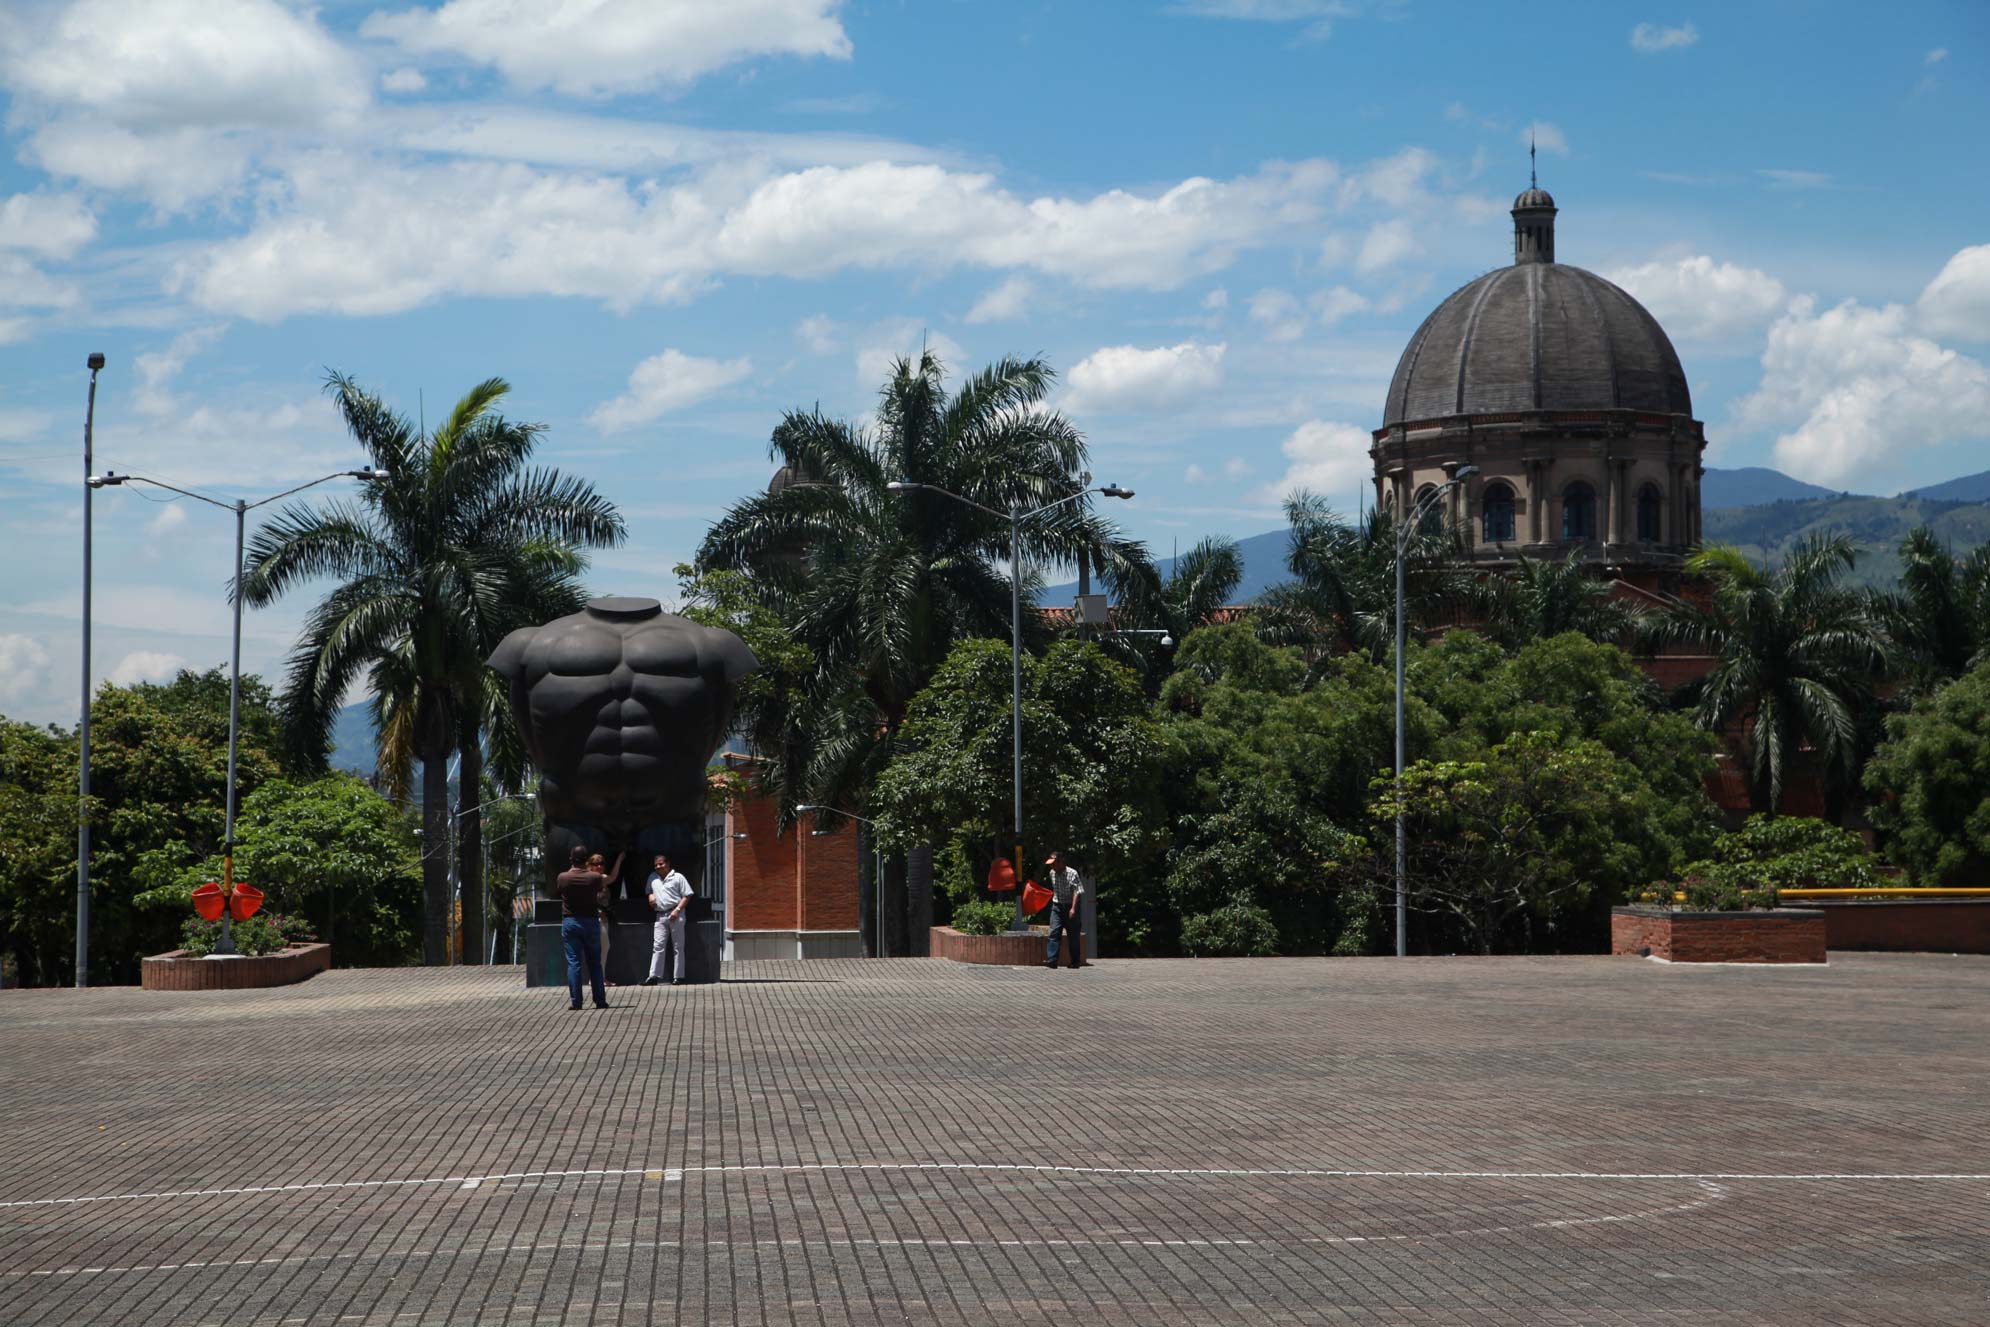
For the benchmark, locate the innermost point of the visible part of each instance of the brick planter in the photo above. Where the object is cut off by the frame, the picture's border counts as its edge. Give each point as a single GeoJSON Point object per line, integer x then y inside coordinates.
{"type": "Point", "coordinates": [1783, 935]}
{"type": "Point", "coordinates": [1925, 926]}
{"type": "Point", "coordinates": [177, 972]}
{"type": "Point", "coordinates": [1005, 950]}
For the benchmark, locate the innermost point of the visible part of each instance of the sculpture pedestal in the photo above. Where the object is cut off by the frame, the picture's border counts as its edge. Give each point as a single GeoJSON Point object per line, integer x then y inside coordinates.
{"type": "Point", "coordinates": [629, 947]}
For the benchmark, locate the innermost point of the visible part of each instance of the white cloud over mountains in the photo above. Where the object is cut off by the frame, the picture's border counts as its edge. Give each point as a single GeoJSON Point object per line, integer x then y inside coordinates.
{"type": "Point", "coordinates": [1325, 457]}
{"type": "Point", "coordinates": [1957, 302]}
{"type": "Point", "coordinates": [598, 47]}
{"type": "Point", "coordinates": [1698, 300]}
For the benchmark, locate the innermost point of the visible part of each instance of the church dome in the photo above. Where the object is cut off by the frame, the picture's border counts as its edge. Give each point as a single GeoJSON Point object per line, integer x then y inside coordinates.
{"type": "Point", "coordinates": [1537, 336]}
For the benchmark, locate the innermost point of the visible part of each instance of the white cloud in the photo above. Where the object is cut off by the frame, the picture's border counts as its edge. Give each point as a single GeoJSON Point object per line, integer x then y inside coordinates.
{"type": "Point", "coordinates": [1387, 243]}
{"type": "Point", "coordinates": [1852, 388]}
{"type": "Point", "coordinates": [158, 368]}
{"type": "Point", "coordinates": [23, 285]}
{"type": "Point", "coordinates": [1957, 302]}
{"type": "Point", "coordinates": [1545, 136]}
{"type": "Point", "coordinates": [1396, 181]}
{"type": "Point", "coordinates": [1266, 11]}
{"type": "Point", "coordinates": [168, 520]}
{"type": "Point", "coordinates": [595, 47]}
{"type": "Point", "coordinates": [1280, 314]}
{"type": "Point", "coordinates": [407, 79]}
{"type": "Point", "coordinates": [1936, 56]}
{"type": "Point", "coordinates": [1236, 467]}
{"type": "Point", "coordinates": [665, 382]}
{"type": "Point", "coordinates": [1194, 474]}
{"type": "Point", "coordinates": [1335, 303]}
{"type": "Point", "coordinates": [1326, 457]}
{"type": "Point", "coordinates": [1796, 179]}
{"type": "Point", "coordinates": [1005, 302]}
{"type": "Point", "coordinates": [904, 338]}
{"type": "Point", "coordinates": [53, 225]}
{"type": "Point", "coordinates": [1699, 300]}
{"type": "Point", "coordinates": [210, 63]}
{"type": "Point", "coordinates": [819, 333]}
{"type": "Point", "coordinates": [357, 236]}
{"type": "Point", "coordinates": [1651, 38]}
{"type": "Point", "coordinates": [146, 666]}
{"type": "Point", "coordinates": [23, 668]}
{"type": "Point", "coordinates": [1216, 300]}
{"type": "Point", "coordinates": [1128, 378]}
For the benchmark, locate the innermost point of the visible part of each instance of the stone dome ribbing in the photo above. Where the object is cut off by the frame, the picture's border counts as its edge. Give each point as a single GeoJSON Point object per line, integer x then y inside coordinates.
{"type": "Point", "coordinates": [1537, 336]}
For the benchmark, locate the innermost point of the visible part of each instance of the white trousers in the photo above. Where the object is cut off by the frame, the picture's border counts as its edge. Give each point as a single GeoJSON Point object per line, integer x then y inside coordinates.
{"type": "Point", "coordinates": [669, 931]}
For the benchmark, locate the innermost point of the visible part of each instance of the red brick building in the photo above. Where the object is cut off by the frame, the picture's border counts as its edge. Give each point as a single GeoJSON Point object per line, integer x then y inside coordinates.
{"type": "Point", "coordinates": [784, 895]}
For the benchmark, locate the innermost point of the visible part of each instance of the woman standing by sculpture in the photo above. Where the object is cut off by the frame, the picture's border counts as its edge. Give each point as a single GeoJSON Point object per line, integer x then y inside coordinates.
{"type": "Point", "coordinates": [599, 865]}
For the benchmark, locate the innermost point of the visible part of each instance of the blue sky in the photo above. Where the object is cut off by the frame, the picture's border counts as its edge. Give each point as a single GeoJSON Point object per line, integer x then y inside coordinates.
{"type": "Point", "coordinates": [1220, 219]}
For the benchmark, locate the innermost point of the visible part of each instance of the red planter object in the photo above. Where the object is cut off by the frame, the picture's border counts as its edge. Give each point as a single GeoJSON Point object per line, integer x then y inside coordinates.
{"type": "Point", "coordinates": [209, 901]}
{"type": "Point", "coordinates": [1001, 876]}
{"type": "Point", "coordinates": [242, 904]}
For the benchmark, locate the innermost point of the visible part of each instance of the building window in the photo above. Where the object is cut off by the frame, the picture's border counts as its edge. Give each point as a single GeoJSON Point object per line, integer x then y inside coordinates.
{"type": "Point", "coordinates": [713, 887]}
{"type": "Point", "coordinates": [1496, 514]}
{"type": "Point", "coordinates": [1432, 520]}
{"type": "Point", "coordinates": [1650, 504]}
{"type": "Point", "coordinates": [1578, 512]}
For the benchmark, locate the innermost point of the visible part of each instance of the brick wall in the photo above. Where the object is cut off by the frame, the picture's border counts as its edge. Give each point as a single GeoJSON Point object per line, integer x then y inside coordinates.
{"type": "Point", "coordinates": [1005, 949]}
{"type": "Point", "coordinates": [1928, 926]}
{"type": "Point", "coordinates": [760, 869]}
{"type": "Point", "coordinates": [829, 875]}
{"type": "Point", "coordinates": [176, 972]}
{"type": "Point", "coordinates": [1787, 935]}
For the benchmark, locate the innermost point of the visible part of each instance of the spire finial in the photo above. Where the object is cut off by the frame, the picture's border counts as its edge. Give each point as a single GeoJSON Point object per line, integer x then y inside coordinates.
{"type": "Point", "coordinates": [1532, 181]}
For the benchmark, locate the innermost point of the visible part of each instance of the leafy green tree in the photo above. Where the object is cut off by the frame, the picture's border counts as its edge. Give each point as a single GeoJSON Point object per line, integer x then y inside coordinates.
{"type": "Point", "coordinates": [38, 852]}
{"type": "Point", "coordinates": [1797, 658]}
{"type": "Point", "coordinates": [1539, 599]}
{"type": "Point", "coordinates": [1090, 766]}
{"type": "Point", "coordinates": [1500, 844]}
{"type": "Point", "coordinates": [459, 544]}
{"type": "Point", "coordinates": [880, 585]}
{"type": "Point", "coordinates": [1343, 591]}
{"type": "Point", "coordinates": [1930, 784]}
{"type": "Point", "coordinates": [1939, 616]}
{"type": "Point", "coordinates": [331, 850]}
{"type": "Point", "coordinates": [1768, 854]}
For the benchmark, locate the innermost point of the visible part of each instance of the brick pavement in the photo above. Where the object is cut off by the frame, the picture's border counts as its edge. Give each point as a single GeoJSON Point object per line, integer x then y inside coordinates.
{"type": "Point", "coordinates": [836, 1142]}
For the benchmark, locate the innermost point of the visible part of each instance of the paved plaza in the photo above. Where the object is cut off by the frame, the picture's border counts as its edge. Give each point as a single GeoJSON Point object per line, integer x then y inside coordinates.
{"type": "Point", "coordinates": [1566, 1140]}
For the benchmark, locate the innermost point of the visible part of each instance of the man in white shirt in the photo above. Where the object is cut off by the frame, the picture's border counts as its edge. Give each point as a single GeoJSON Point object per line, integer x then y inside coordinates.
{"type": "Point", "coordinates": [669, 895]}
{"type": "Point", "coordinates": [1067, 897]}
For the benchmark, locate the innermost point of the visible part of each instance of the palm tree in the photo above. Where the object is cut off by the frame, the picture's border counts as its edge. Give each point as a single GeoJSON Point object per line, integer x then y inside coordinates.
{"type": "Point", "coordinates": [460, 543]}
{"type": "Point", "coordinates": [1797, 655]}
{"type": "Point", "coordinates": [1343, 595]}
{"type": "Point", "coordinates": [1538, 599]}
{"type": "Point", "coordinates": [1940, 615]}
{"type": "Point", "coordinates": [880, 585]}
{"type": "Point", "coordinates": [1202, 581]}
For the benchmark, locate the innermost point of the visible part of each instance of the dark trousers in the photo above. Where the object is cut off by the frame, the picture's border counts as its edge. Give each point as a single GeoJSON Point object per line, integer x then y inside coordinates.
{"type": "Point", "coordinates": [582, 938]}
{"type": "Point", "coordinates": [1064, 925]}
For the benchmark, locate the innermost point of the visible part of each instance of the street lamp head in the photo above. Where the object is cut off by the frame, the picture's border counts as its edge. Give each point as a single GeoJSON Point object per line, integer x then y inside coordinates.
{"type": "Point", "coordinates": [807, 806]}
{"type": "Point", "coordinates": [1466, 472]}
{"type": "Point", "coordinates": [368, 475]}
{"type": "Point", "coordinates": [96, 360]}
{"type": "Point", "coordinates": [109, 479]}
{"type": "Point", "coordinates": [1167, 642]}
{"type": "Point", "coordinates": [901, 486]}
{"type": "Point", "coordinates": [1115, 491]}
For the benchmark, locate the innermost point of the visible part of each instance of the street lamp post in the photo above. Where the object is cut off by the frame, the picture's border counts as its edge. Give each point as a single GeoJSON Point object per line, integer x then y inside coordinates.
{"type": "Point", "coordinates": [456, 866]}
{"type": "Point", "coordinates": [96, 363]}
{"type": "Point", "coordinates": [877, 869]}
{"type": "Point", "coordinates": [241, 510]}
{"type": "Point", "coordinates": [1405, 531]}
{"type": "Point", "coordinates": [1016, 517]}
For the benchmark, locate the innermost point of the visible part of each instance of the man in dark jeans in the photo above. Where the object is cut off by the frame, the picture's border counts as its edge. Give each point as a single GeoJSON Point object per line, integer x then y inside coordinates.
{"type": "Point", "coordinates": [1067, 897]}
{"type": "Point", "coordinates": [581, 894]}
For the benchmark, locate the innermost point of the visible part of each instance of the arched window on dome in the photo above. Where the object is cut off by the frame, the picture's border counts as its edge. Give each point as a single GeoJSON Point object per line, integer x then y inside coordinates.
{"type": "Point", "coordinates": [1496, 514]}
{"type": "Point", "coordinates": [1651, 505]}
{"type": "Point", "coordinates": [1578, 512]}
{"type": "Point", "coordinates": [1432, 520]}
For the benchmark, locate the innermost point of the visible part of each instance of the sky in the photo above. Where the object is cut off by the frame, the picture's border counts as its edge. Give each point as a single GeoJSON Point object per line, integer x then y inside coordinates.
{"type": "Point", "coordinates": [667, 221]}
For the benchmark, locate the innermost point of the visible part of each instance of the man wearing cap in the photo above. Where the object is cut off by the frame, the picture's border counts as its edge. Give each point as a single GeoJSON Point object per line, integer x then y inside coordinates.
{"type": "Point", "coordinates": [1067, 896]}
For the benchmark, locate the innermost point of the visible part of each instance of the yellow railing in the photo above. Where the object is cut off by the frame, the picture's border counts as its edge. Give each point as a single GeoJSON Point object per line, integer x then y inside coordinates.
{"type": "Point", "coordinates": [1900, 893]}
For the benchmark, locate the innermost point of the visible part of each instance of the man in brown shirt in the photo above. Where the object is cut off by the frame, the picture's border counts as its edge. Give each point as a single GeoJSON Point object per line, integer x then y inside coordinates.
{"type": "Point", "coordinates": [581, 892]}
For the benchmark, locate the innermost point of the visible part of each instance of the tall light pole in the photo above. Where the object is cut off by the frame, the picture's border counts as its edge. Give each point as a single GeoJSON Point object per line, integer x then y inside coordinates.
{"type": "Point", "coordinates": [1405, 531]}
{"type": "Point", "coordinates": [241, 510]}
{"type": "Point", "coordinates": [877, 868]}
{"type": "Point", "coordinates": [1016, 516]}
{"type": "Point", "coordinates": [96, 363]}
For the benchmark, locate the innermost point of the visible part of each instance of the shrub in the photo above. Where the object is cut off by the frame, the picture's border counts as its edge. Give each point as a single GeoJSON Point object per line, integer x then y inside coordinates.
{"type": "Point", "coordinates": [1751, 866]}
{"type": "Point", "coordinates": [263, 934]}
{"type": "Point", "coordinates": [983, 916]}
{"type": "Point", "coordinates": [1726, 889]}
{"type": "Point", "coordinates": [1235, 930]}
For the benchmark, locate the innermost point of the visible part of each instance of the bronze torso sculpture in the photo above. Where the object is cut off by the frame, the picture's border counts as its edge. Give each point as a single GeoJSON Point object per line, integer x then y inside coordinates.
{"type": "Point", "coordinates": [621, 706]}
